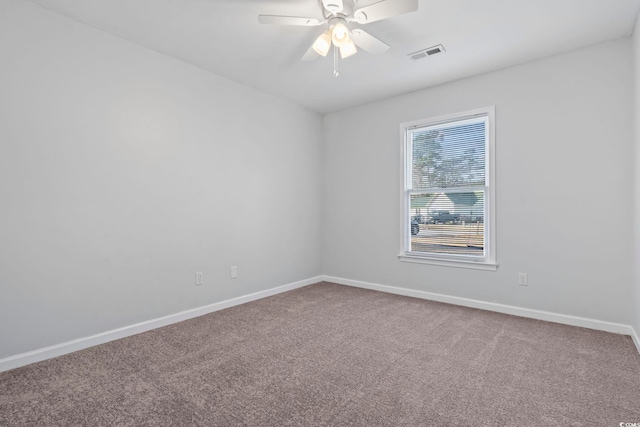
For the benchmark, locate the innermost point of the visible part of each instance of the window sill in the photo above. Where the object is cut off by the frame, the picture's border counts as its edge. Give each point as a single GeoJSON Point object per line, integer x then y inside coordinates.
{"type": "Point", "coordinates": [475, 265]}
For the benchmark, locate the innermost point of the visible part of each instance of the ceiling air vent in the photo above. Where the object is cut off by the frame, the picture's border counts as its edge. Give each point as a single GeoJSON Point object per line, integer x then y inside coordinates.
{"type": "Point", "coordinates": [433, 50]}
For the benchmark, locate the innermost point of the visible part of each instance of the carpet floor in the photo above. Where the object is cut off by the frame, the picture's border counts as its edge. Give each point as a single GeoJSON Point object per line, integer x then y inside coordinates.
{"type": "Point", "coordinates": [331, 355]}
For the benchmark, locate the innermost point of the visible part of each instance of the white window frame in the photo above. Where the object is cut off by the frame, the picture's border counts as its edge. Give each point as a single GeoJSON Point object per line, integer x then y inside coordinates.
{"type": "Point", "coordinates": [488, 262]}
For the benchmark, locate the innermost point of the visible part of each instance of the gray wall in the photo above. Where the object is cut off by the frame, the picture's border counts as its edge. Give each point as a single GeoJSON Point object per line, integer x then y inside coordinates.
{"type": "Point", "coordinates": [123, 172]}
{"type": "Point", "coordinates": [564, 138]}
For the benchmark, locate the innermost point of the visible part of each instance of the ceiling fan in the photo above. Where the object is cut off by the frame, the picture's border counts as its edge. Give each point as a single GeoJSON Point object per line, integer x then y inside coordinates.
{"type": "Point", "coordinates": [339, 14]}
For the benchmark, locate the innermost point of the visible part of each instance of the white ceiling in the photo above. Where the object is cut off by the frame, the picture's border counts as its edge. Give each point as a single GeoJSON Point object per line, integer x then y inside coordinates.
{"type": "Point", "coordinates": [224, 37]}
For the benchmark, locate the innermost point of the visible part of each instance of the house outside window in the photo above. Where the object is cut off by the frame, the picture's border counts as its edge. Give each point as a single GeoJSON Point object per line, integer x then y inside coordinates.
{"type": "Point", "coordinates": [448, 190]}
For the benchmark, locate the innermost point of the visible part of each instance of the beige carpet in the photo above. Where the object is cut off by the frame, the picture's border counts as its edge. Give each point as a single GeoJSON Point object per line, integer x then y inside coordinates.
{"type": "Point", "coordinates": [330, 355]}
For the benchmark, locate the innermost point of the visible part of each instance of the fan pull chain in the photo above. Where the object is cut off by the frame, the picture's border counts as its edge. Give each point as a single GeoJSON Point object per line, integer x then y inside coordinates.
{"type": "Point", "coordinates": [336, 73]}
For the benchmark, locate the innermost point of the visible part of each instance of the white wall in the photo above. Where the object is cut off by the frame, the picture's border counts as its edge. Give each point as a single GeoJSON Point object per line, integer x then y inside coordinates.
{"type": "Point", "coordinates": [123, 172]}
{"type": "Point", "coordinates": [636, 74]}
{"type": "Point", "coordinates": [564, 186]}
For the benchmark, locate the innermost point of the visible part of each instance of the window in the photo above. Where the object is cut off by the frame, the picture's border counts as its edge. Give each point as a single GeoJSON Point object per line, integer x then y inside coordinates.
{"type": "Point", "coordinates": [448, 199]}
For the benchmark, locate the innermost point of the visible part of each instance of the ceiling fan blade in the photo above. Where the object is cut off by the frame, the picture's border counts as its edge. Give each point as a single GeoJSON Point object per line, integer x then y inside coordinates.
{"type": "Point", "coordinates": [367, 42]}
{"type": "Point", "coordinates": [310, 55]}
{"type": "Point", "coordinates": [384, 9]}
{"type": "Point", "coordinates": [289, 20]}
{"type": "Point", "coordinates": [333, 6]}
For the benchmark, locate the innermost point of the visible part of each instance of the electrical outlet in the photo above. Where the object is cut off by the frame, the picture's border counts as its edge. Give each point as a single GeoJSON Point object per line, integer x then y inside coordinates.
{"type": "Point", "coordinates": [523, 279]}
{"type": "Point", "coordinates": [233, 271]}
{"type": "Point", "coordinates": [199, 278]}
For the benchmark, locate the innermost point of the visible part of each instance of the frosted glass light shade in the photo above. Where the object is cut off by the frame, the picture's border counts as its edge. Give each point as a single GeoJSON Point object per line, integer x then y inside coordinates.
{"type": "Point", "coordinates": [340, 35]}
{"type": "Point", "coordinates": [323, 43]}
{"type": "Point", "coordinates": [348, 49]}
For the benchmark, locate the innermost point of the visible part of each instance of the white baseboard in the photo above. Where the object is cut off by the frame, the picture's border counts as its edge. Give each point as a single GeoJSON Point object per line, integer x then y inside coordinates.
{"type": "Point", "coordinates": [636, 338]}
{"type": "Point", "coordinates": [490, 306]}
{"type": "Point", "coordinates": [38, 355]}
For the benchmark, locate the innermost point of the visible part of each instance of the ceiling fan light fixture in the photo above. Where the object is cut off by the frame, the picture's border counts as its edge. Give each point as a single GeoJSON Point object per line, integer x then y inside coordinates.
{"type": "Point", "coordinates": [340, 34]}
{"type": "Point", "coordinates": [323, 43]}
{"type": "Point", "coordinates": [348, 49]}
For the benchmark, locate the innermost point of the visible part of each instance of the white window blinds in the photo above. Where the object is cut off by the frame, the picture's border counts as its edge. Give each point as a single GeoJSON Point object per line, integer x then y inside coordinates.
{"type": "Point", "coordinates": [446, 188]}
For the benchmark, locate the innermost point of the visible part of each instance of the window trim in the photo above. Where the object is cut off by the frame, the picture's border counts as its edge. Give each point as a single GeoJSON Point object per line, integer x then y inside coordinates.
{"type": "Point", "coordinates": [488, 262]}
